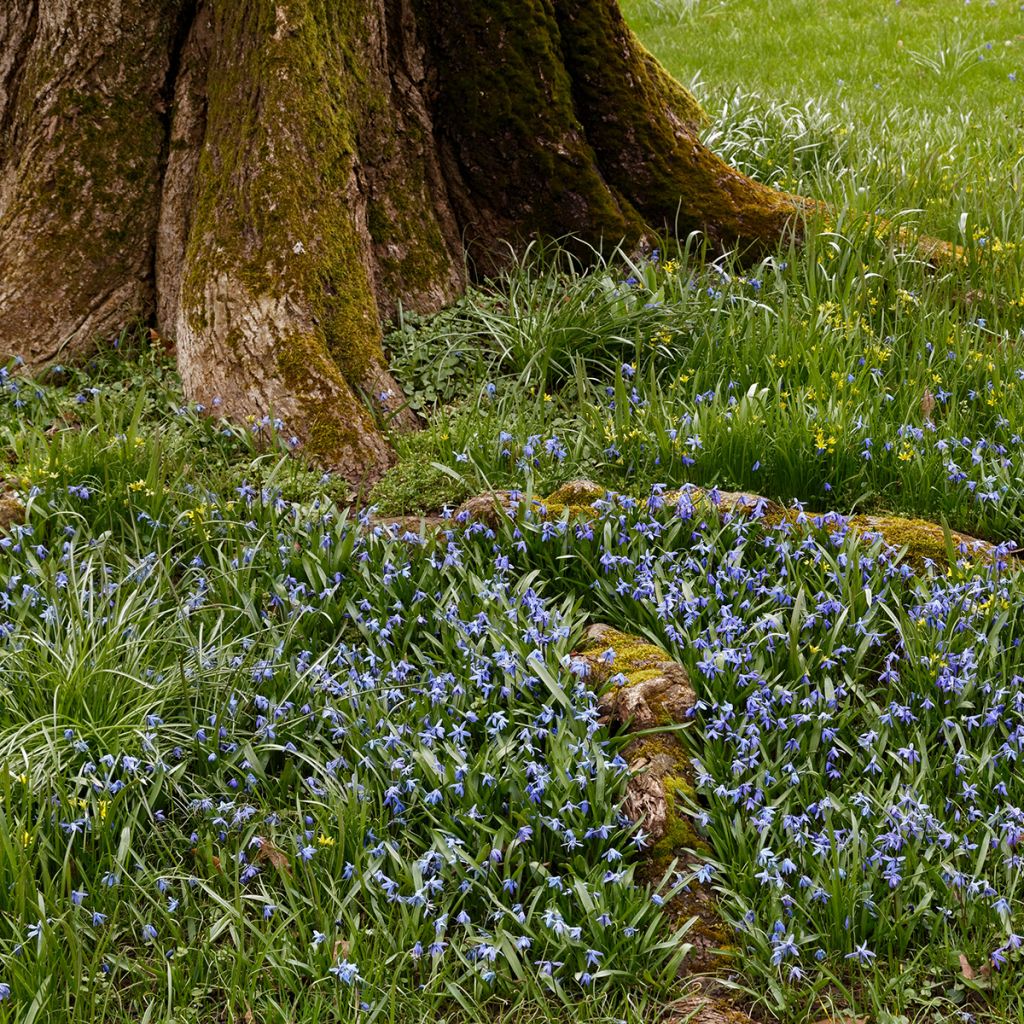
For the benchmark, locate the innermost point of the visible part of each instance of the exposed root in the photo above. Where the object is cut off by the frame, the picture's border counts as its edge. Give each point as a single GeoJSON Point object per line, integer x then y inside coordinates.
{"type": "Point", "coordinates": [706, 1009]}
{"type": "Point", "coordinates": [642, 689]}
{"type": "Point", "coordinates": [649, 688]}
{"type": "Point", "coordinates": [923, 542]}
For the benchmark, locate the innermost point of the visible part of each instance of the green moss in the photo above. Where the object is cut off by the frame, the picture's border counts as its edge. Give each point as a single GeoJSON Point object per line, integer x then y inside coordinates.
{"type": "Point", "coordinates": [412, 256]}
{"type": "Point", "coordinates": [92, 210]}
{"type": "Point", "coordinates": [272, 205]}
{"type": "Point", "coordinates": [304, 367]}
{"type": "Point", "coordinates": [657, 744]}
{"type": "Point", "coordinates": [923, 541]}
{"type": "Point", "coordinates": [636, 658]}
{"type": "Point", "coordinates": [414, 486]}
{"type": "Point", "coordinates": [544, 508]}
{"type": "Point", "coordinates": [639, 662]}
{"type": "Point", "coordinates": [576, 493]}
{"type": "Point", "coordinates": [679, 831]}
{"type": "Point", "coordinates": [632, 114]}
{"type": "Point", "coordinates": [506, 101]}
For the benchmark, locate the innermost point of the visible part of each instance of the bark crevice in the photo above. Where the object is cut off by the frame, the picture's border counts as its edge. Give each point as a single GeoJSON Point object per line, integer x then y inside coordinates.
{"type": "Point", "coordinates": [17, 34]}
{"type": "Point", "coordinates": [180, 35]}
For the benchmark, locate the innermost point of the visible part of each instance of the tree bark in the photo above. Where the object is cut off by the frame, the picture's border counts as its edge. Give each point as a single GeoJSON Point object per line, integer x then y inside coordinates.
{"type": "Point", "coordinates": [82, 126]}
{"type": "Point", "coordinates": [267, 180]}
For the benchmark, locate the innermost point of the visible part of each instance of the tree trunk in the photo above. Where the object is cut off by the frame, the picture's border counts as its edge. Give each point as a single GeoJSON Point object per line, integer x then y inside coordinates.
{"type": "Point", "coordinates": [267, 181]}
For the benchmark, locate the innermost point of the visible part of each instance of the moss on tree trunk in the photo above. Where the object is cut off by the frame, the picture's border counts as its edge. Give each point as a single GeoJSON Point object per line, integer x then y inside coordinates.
{"type": "Point", "coordinates": [82, 130]}
{"type": "Point", "coordinates": [269, 179]}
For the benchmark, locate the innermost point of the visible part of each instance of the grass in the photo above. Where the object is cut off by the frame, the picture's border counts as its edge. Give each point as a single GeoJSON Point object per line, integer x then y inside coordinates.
{"type": "Point", "coordinates": [896, 105]}
{"type": "Point", "coordinates": [845, 376]}
{"type": "Point", "coordinates": [264, 759]}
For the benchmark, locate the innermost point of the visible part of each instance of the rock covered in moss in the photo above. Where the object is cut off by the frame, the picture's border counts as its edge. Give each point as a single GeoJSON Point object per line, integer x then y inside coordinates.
{"type": "Point", "coordinates": [415, 485]}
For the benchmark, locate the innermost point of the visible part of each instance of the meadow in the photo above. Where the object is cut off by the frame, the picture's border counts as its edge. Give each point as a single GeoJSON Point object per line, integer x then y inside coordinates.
{"type": "Point", "coordinates": [267, 758]}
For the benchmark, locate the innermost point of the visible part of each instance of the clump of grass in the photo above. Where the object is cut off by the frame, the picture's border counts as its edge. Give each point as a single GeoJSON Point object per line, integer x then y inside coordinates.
{"type": "Point", "coordinates": [417, 484]}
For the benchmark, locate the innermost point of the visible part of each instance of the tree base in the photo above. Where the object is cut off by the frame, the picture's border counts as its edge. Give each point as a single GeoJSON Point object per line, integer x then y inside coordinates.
{"type": "Point", "coordinates": [269, 181]}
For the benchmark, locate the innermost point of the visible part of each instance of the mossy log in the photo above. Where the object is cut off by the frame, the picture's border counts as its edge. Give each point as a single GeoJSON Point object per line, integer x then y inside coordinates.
{"type": "Point", "coordinates": [265, 181]}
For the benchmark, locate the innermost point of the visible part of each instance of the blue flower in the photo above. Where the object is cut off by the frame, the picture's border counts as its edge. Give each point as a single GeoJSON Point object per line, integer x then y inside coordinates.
{"type": "Point", "coordinates": [347, 973]}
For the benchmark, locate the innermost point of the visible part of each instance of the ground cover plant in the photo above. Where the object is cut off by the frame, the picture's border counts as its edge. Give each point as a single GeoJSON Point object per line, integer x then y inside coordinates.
{"type": "Point", "coordinates": [268, 758]}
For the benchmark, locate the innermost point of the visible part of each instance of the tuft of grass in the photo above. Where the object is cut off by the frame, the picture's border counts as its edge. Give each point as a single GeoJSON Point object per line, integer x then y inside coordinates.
{"type": "Point", "coordinates": [418, 485]}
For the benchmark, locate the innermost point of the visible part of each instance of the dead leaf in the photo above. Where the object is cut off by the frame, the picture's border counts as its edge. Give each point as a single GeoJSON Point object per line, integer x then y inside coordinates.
{"type": "Point", "coordinates": [274, 856]}
{"type": "Point", "coordinates": [927, 405]}
{"type": "Point", "coordinates": [966, 969]}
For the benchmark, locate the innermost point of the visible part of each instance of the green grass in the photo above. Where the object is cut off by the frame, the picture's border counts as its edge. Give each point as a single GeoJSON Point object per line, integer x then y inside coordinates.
{"type": "Point", "coordinates": [910, 105]}
{"type": "Point", "coordinates": [846, 376]}
{"type": "Point", "coordinates": [247, 735]}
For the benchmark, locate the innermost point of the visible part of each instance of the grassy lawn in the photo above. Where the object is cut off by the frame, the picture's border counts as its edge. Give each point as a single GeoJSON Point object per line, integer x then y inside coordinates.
{"type": "Point", "coordinates": [265, 759]}
{"type": "Point", "coordinates": [910, 105]}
